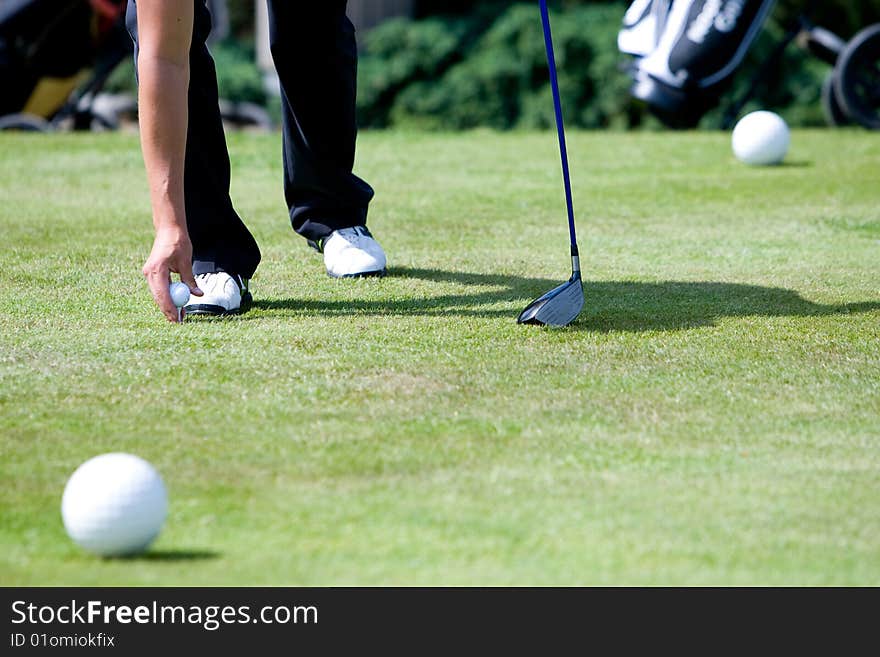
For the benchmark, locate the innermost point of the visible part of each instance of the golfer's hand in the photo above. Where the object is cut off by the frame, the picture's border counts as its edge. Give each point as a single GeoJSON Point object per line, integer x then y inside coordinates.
{"type": "Point", "coordinates": [172, 253]}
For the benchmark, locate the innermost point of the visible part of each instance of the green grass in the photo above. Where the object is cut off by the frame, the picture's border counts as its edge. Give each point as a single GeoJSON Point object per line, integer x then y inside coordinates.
{"type": "Point", "coordinates": [712, 418]}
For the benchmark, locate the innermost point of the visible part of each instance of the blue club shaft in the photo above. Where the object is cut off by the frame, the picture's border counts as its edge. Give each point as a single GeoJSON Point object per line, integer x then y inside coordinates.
{"type": "Point", "coordinates": [560, 124]}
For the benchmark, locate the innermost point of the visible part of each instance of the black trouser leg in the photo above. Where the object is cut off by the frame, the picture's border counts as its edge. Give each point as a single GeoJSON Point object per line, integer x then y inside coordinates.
{"type": "Point", "coordinates": [219, 237]}
{"type": "Point", "coordinates": [315, 52]}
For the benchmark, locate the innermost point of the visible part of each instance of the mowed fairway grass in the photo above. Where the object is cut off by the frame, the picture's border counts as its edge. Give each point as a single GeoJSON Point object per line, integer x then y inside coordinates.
{"type": "Point", "coordinates": [713, 417]}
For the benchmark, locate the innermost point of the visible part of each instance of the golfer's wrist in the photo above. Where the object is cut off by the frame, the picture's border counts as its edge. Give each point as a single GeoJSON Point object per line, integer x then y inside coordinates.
{"type": "Point", "coordinates": [171, 239]}
{"type": "Point", "coordinates": [170, 222]}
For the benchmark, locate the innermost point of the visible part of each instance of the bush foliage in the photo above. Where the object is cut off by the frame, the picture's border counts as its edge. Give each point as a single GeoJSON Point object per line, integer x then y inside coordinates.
{"type": "Point", "coordinates": [467, 71]}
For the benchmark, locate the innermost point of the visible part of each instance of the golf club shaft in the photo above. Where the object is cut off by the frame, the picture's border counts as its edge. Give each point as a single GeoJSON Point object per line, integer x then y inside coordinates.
{"type": "Point", "coordinates": [560, 128]}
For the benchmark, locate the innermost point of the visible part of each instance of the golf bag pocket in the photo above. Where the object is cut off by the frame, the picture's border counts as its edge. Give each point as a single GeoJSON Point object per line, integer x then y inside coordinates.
{"type": "Point", "coordinates": [642, 26]}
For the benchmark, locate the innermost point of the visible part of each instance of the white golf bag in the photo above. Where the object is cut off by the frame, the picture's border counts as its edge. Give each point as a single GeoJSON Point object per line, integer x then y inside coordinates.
{"type": "Point", "coordinates": [686, 50]}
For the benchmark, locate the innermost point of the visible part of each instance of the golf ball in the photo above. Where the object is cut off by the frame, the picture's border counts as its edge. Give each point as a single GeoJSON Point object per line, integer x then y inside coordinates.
{"type": "Point", "coordinates": [179, 294]}
{"type": "Point", "coordinates": [114, 505]}
{"type": "Point", "coordinates": [761, 138]}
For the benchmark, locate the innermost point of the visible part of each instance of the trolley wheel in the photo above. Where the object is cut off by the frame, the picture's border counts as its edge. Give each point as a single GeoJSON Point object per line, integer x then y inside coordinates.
{"type": "Point", "coordinates": [834, 113]}
{"type": "Point", "coordinates": [24, 123]}
{"type": "Point", "coordinates": [857, 78]}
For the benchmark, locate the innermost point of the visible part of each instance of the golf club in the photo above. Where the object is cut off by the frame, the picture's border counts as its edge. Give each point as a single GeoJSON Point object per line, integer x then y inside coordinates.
{"type": "Point", "coordinates": [561, 305]}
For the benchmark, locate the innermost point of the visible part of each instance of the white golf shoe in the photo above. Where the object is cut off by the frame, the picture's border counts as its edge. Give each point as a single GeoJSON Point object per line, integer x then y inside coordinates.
{"type": "Point", "coordinates": [352, 252]}
{"type": "Point", "coordinates": [224, 295]}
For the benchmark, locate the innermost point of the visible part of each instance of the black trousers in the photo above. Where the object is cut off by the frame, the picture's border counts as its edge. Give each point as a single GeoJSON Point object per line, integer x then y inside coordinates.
{"type": "Point", "coordinates": [314, 49]}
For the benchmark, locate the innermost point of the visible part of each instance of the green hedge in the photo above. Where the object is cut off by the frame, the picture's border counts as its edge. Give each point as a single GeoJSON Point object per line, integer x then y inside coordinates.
{"type": "Point", "coordinates": [462, 72]}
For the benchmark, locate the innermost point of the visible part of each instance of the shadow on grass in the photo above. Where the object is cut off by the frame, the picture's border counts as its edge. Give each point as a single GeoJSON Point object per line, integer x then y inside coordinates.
{"type": "Point", "coordinates": [173, 556]}
{"type": "Point", "coordinates": [611, 305]}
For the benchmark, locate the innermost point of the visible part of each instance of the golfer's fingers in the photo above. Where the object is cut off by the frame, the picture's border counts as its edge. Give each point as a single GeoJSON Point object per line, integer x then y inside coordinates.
{"type": "Point", "coordinates": [186, 276]}
{"type": "Point", "coordinates": [159, 280]}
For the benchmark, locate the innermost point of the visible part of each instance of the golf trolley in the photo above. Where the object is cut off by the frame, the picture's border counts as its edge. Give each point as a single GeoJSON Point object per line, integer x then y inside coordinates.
{"type": "Point", "coordinates": [687, 51]}
{"type": "Point", "coordinates": [55, 57]}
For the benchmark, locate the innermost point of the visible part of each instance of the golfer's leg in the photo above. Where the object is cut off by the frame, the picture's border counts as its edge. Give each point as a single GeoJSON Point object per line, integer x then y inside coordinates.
{"type": "Point", "coordinates": [219, 237]}
{"type": "Point", "coordinates": [315, 52]}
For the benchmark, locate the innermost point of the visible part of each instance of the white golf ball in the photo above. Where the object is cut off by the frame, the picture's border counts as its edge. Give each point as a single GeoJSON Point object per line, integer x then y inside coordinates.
{"type": "Point", "coordinates": [114, 505]}
{"type": "Point", "coordinates": [761, 138]}
{"type": "Point", "coordinates": [179, 294]}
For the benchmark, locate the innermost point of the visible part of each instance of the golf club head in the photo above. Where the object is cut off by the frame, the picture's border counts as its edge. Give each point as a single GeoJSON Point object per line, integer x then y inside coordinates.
{"type": "Point", "coordinates": [559, 307]}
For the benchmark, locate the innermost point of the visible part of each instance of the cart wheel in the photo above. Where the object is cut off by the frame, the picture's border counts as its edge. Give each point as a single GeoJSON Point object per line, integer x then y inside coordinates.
{"type": "Point", "coordinates": [834, 114]}
{"type": "Point", "coordinates": [857, 78]}
{"type": "Point", "coordinates": [25, 123]}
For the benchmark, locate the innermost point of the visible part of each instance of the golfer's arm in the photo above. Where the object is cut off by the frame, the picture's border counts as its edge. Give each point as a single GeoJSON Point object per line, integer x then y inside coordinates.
{"type": "Point", "coordinates": [164, 36]}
